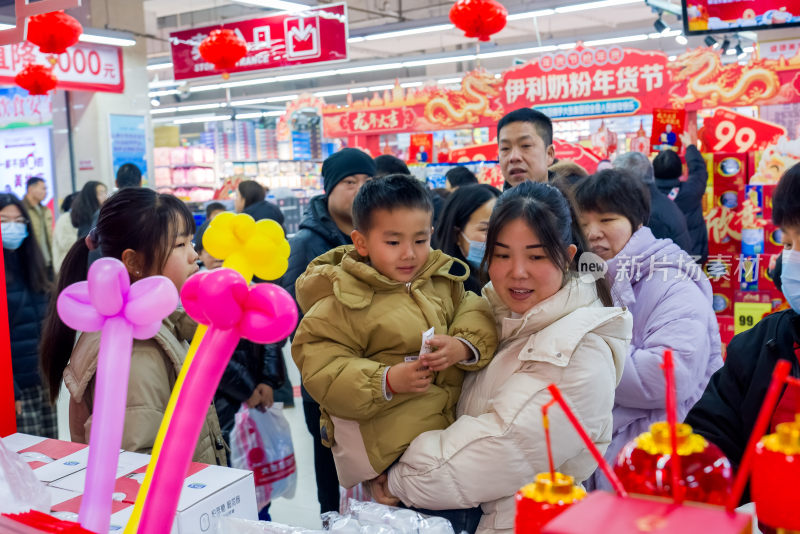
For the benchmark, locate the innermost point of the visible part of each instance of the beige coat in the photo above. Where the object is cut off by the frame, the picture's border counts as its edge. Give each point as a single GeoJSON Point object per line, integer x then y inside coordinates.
{"type": "Point", "coordinates": [64, 236]}
{"type": "Point", "coordinates": [497, 443]}
{"type": "Point", "coordinates": [42, 223]}
{"type": "Point", "coordinates": [155, 366]}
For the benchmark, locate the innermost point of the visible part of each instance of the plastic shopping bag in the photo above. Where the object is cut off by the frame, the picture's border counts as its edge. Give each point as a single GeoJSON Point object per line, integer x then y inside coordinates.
{"type": "Point", "coordinates": [261, 442]}
{"type": "Point", "coordinates": [20, 490]}
{"type": "Point", "coordinates": [359, 492]}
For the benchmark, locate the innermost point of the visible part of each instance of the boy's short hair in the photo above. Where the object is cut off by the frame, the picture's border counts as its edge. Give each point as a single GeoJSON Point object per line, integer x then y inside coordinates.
{"type": "Point", "coordinates": [614, 191]}
{"type": "Point", "coordinates": [33, 181]}
{"type": "Point", "coordinates": [541, 123]}
{"type": "Point", "coordinates": [387, 164]}
{"type": "Point", "coordinates": [129, 175]}
{"type": "Point", "coordinates": [786, 199]}
{"type": "Point", "coordinates": [214, 206]}
{"type": "Point", "coordinates": [391, 192]}
{"type": "Point", "coordinates": [667, 165]}
{"type": "Point", "coordinates": [458, 176]}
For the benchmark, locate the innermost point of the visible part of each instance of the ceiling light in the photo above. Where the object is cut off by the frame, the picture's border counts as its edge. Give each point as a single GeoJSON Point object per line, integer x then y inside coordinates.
{"type": "Point", "coordinates": [167, 92]}
{"type": "Point", "coordinates": [532, 14]}
{"type": "Point", "coordinates": [155, 102]}
{"type": "Point", "coordinates": [615, 40]}
{"type": "Point", "coordinates": [672, 58]}
{"type": "Point", "coordinates": [161, 111]}
{"type": "Point", "coordinates": [411, 84]}
{"type": "Point", "coordinates": [107, 38]}
{"type": "Point", "coordinates": [660, 25]}
{"type": "Point", "coordinates": [594, 5]}
{"type": "Point", "coordinates": [369, 68]}
{"type": "Point", "coordinates": [202, 118]}
{"type": "Point", "coordinates": [411, 31]}
{"type": "Point", "coordinates": [333, 92]}
{"type": "Point", "coordinates": [281, 5]}
{"type": "Point", "coordinates": [438, 61]}
{"type": "Point", "coordinates": [157, 84]}
{"type": "Point", "coordinates": [449, 81]}
{"type": "Point", "coordinates": [710, 41]}
{"type": "Point", "coordinates": [682, 40]}
{"type": "Point", "coordinates": [504, 53]}
{"type": "Point", "coordinates": [251, 102]}
{"type": "Point", "coordinates": [198, 107]}
{"type": "Point", "coordinates": [160, 66]}
{"type": "Point", "coordinates": [726, 43]}
{"type": "Point", "coordinates": [381, 87]}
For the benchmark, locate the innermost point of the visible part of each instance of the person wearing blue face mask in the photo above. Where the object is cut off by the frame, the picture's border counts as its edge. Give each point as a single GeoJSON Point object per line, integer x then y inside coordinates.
{"type": "Point", "coordinates": [27, 293]}
{"type": "Point", "coordinates": [461, 229]}
{"type": "Point", "coordinates": [727, 411]}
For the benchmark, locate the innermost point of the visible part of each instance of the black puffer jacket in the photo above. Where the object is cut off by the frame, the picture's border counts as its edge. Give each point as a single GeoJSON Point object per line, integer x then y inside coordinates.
{"type": "Point", "coordinates": [317, 235]}
{"type": "Point", "coordinates": [690, 200]}
{"type": "Point", "coordinates": [265, 210]}
{"type": "Point", "coordinates": [26, 311]}
{"type": "Point", "coordinates": [251, 364]}
{"type": "Point", "coordinates": [728, 409]}
{"type": "Point", "coordinates": [667, 220]}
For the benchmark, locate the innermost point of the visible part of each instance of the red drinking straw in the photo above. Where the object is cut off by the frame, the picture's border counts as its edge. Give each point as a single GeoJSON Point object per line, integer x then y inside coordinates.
{"type": "Point", "coordinates": [779, 375]}
{"type": "Point", "coordinates": [672, 420]}
{"type": "Point", "coordinates": [612, 477]}
{"type": "Point", "coordinates": [546, 424]}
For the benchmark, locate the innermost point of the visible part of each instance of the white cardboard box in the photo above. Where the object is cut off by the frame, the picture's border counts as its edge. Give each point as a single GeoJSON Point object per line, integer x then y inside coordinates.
{"type": "Point", "coordinates": [50, 459]}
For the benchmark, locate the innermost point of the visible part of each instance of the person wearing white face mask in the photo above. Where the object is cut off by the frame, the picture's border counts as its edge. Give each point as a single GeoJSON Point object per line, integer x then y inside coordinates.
{"type": "Point", "coordinates": [727, 411]}
{"type": "Point", "coordinates": [461, 230]}
{"type": "Point", "coordinates": [27, 290]}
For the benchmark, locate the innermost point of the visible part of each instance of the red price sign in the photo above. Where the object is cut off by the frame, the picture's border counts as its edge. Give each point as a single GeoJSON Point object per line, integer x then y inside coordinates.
{"type": "Point", "coordinates": [728, 131]}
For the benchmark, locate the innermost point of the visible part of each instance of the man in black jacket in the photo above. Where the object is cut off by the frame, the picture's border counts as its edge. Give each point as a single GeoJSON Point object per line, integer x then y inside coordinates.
{"type": "Point", "coordinates": [728, 409]}
{"type": "Point", "coordinates": [688, 195]}
{"type": "Point", "coordinates": [327, 225]}
{"type": "Point", "coordinates": [666, 219]}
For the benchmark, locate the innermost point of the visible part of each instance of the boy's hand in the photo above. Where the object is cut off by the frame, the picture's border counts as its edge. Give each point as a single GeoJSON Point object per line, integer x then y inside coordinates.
{"type": "Point", "coordinates": [409, 377]}
{"type": "Point", "coordinates": [267, 397]}
{"type": "Point", "coordinates": [448, 351]}
{"type": "Point", "coordinates": [255, 398]}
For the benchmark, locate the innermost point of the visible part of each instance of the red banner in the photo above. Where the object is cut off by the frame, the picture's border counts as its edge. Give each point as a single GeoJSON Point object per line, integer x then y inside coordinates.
{"type": "Point", "coordinates": [705, 15]}
{"type": "Point", "coordinates": [580, 83]}
{"type": "Point", "coordinates": [421, 148]}
{"type": "Point", "coordinates": [315, 35]}
{"type": "Point", "coordinates": [728, 131]}
{"type": "Point", "coordinates": [83, 67]}
{"type": "Point", "coordinates": [668, 126]}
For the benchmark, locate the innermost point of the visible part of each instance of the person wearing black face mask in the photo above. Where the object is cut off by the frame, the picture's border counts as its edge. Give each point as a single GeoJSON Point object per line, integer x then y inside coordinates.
{"type": "Point", "coordinates": [27, 290]}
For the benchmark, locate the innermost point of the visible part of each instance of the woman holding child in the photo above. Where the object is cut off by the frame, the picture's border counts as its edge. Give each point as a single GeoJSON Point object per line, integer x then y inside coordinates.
{"type": "Point", "coordinates": [554, 327]}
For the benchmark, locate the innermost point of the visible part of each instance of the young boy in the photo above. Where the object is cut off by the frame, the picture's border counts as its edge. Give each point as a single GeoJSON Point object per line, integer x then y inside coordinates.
{"type": "Point", "coordinates": [728, 409]}
{"type": "Point", "coordinates": [359, 344]}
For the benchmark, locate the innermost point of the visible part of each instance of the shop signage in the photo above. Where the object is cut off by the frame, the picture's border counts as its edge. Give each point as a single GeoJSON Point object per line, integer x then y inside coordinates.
{"type": "Point", "coordinates": [315, 35]}
{"type": "Point", "coordinates": [83, 67]}
{"type": "Point", "coordinates": [128, 137]}
{"type": "Point", "coordinates": [728, 131]}
{"type": "Point", "coordinates": [706, 16]}
{"type": "Point", "coordinates": [577, 84]}
{"type": "Point", "coordinates": [18, 109]}
{"type": "Point", "coordinates": [668, 125]}
{"type": "Point", "coordinates": [24, 153]}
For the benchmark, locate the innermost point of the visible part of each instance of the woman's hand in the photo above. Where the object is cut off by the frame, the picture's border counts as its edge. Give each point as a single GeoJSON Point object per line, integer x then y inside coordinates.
{"type": "Point", "coordinates": [448, 351]}
{"type": "Point", "coordinates": [267, 397]}
{"type": "Point", "coordinates": [409, 377]}
{"type": "Point", "coordinates": [379, 487]}
{"type": "Point", "coordinates": [255, 398]}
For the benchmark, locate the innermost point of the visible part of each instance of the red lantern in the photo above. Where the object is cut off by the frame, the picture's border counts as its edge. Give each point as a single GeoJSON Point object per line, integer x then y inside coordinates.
{"type": "Point", "coordinates": [776, 466]}
{"type": "Point", "coordinates": [37, 79]}
{"type": "Point", "coordinates": [223, 49]}
{"type": "Point", "coordinates": [54, 32]}
{"type": "Point", "coordinates": [543, 500]}
{"type": "Point", "coordinates": [478, 18]}
{"type": "Point", "coordinates": [644, 465]}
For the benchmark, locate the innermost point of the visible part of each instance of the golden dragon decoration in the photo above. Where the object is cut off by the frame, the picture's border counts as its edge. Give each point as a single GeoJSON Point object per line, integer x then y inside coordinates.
{"type": "Point", "coordinates": [715, 84]}
{"type": "Point", "coordinates": [468, 105]}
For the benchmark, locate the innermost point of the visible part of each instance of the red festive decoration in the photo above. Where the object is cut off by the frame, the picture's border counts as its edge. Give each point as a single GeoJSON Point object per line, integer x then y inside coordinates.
{"type": "Point", "coordinates": [776, 468]}
{"type": "Point", "coordinates": [37, 79]}
{"type": "Point", "coordinates": [54, 32]}
{"type": "Point", "coordinates": [478, 18]}
{"type": "Point", "coordinates": [645, 466]}
{"type": "Point", "coordinates": [223, 48]}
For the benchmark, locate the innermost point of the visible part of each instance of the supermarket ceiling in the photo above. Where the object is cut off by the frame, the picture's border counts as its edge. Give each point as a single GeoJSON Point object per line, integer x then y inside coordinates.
{"type": "Point", "coordinates": [398, 47]}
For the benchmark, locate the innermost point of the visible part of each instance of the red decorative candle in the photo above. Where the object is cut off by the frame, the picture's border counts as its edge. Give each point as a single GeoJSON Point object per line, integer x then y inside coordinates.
{"type": "Point", "coordinates": [645, 466]}
{"type": "Point", "coordinates": [776, 470]}
{"type": "Point", "coordinates": [543, 500]}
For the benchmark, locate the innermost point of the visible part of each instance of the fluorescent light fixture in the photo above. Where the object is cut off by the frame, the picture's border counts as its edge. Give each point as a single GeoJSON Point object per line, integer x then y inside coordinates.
{"type": "Point", "coordinates": [616, 40]}
{"type": "Point", "coordinates": [672, 58]}
{"type": "Point", "coordinates": [532, 14]}
{"type": "Point", "coordinates": [155, 102]}
{"type": "Point", "coordinates": [160, 66]}
{"type": "Point", "coordinates": [449, 81]}
{"type": "Point", "coordinates": [198, 107]}
{"type": "Point", "coordinates": [283, 98]}
{"type": "Point", "coordinates": [594, 5]}
{"type": "Point", "coordinates": [369, 68]}
{"type": "Point", "coordinates": [567, 46]}
{"type": "Point", "coordinates": [438, 61]}
{"type": "Point", "coordinates": [202, 118]}
{"type": "Point", "coordinates": [359, 90]}
{"type": "Point", "coordinates": [251, 102]}
{"type": "Point", "coordinates": [158, 84]}
{"type": "Point", "coordinates": [381, 87]}
{"type": "Point", "coordinates": [665, 33]}
{"type": "Point", "coordinates": [333, 92]}
{"type": "Point", "coordinates": [505, 53]}
{"type": "Point", "coordinates": [411, 31]}
{"type": "Point", "coordinates": [166, 92]}
{"type": "Point", "coordinates": [682, 40]}
{"type": "Point", "coordinates": [113, 39]}
{"type": "Point", "coordinates": [4, 26]}
{"type": "Point", "coordinates": [281, 5]}
{"type": "Point", "coordinates": [160, 111]}
{"type": "Point", "coordinates": [411, 84]}
{"type": "Point", "coordinates": [255, 115]}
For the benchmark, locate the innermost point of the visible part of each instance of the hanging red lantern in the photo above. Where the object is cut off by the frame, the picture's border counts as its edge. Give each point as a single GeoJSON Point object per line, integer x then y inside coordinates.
{"type": "Point", "coordinates": [54, 32]}
{"type": "Point", "coordinates": [37, 79]}
{"type": "Point", "coordinates": [223, 49]}
{"type": "Point", "coordinates": [479, 18]}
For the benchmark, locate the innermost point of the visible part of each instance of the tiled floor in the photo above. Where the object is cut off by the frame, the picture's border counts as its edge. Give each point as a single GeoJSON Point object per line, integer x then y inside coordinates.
{"type": "Point", "coordinates": [301, 510]}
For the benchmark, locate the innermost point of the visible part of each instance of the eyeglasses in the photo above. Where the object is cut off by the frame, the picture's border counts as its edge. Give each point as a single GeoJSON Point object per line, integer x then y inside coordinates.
{"type": "Point", "coordinates": [22, 220]}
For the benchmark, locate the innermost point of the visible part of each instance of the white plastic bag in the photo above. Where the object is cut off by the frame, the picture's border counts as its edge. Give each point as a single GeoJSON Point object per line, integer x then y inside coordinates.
{"type": "Point", "coordinates": [20, 490]}
{"type": "Point", "coordinates": [262, 443]}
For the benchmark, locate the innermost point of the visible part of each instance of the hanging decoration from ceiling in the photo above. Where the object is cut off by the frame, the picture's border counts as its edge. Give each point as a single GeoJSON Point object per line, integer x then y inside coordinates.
{"type": "Point", "coordinates": [36, 79]}
{"type": "Point", "coordinates": [479, 18]}
{"type": "Point", "coordinates": [54, 32]}
{"type": "Point", "coordinates": [24, 10]}
{"type": "Point", "coordinates": [223, 48]}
